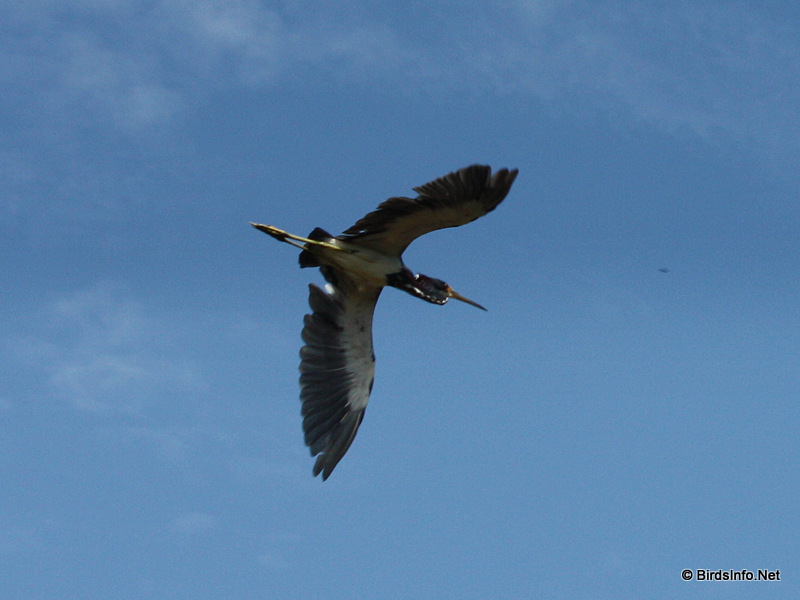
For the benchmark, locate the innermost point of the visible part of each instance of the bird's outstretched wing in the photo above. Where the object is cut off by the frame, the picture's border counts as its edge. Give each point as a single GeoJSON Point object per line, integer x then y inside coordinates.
{"type": "Point", "coordinates": [337, 367]}
{"type": "Point", "coordinates": [450, 201]}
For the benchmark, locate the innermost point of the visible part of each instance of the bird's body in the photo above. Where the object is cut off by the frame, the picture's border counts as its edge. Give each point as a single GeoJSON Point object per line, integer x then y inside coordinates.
{"type": "Point", "coordinates": [337, 364]}
{"type": "Point", "coordinates": [366, 267]}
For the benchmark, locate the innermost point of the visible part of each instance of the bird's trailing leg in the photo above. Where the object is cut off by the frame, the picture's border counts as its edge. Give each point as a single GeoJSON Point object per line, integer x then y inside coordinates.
{"type": "Point", "coordinates": [289, 238]}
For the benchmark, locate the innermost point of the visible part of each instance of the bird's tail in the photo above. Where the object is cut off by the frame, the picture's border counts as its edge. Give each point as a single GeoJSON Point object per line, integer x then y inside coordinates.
{"type": "Point", "coordinates": [318, 237]}
{"type": "Point", "coordinates": [307, 258]}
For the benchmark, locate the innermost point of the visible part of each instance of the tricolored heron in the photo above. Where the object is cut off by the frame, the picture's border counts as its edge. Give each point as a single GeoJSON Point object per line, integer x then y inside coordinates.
{"type": "Point", "coordinates": [337, 364]}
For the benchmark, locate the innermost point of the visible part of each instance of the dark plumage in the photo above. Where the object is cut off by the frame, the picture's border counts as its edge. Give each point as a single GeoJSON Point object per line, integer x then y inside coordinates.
{"type": "Point", "coordinates": [455, 199]}
{"type": "Point", "coordinates": [337, 363]}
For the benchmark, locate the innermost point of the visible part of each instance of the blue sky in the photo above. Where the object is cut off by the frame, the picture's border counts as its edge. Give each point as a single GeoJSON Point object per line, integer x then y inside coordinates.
{"type": "Point", "coordinates": [603, 427]}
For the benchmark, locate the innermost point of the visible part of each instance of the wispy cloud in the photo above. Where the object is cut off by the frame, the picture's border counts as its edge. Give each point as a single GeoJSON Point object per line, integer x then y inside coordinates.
{"type": "Point", "coordinates": [124, 84]}
{"type": "Point", "coordinates": [227, 40]}
{"type": "Point", "coordinates": [136, 373]}
{"type": "Point", "coordinates": [139, 66]}
{"type": "Point", "coordinates": [91, 60]}
{"type": "Point", "coordinates": [99, 351]}
{"type": "Point", "coordinates": [714, 70]}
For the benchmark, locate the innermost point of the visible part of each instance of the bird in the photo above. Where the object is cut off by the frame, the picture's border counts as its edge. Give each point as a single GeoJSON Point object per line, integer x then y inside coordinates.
{"type": "Point", "coordinates": [337, 362]}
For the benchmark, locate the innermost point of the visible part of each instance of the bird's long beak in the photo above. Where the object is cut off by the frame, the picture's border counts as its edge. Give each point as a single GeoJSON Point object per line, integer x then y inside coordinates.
{"type": "Point", "coordinates": [456, 296]}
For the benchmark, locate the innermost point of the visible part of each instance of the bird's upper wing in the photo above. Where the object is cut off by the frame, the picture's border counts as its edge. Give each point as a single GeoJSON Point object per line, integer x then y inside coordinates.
{"type": "Point", "coordinates": [450, 201]}
{"type": "Point", "coordinates": [337, 367]}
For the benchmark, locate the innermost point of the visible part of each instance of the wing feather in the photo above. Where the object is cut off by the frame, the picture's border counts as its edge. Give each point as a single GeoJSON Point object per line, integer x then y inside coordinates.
{"type": "Point", "coordinates": [337, 368]}
{"type": "Point", "coordinates": [455, 199]}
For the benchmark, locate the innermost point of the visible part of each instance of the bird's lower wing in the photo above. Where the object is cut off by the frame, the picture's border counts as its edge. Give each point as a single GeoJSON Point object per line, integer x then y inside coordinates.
{"type": "Point", "coordinates": [455, 199]}
{"type": "Point", "coordinates": [337, 368]}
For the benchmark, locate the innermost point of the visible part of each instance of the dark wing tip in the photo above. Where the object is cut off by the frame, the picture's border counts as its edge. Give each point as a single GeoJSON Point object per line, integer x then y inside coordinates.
{"type": "Point", "coordinates": [472, 181]}
{"type": "Point", "coordinates": [450, 201]}
{"type": "Point", "coordinates": [498, 186]}
{"type": "Point", "coordinates": [339, 444]}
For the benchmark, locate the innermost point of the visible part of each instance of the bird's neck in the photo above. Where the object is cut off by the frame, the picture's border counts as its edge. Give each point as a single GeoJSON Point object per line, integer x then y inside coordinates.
{"type": "Point", "coordinates": [416, 285]}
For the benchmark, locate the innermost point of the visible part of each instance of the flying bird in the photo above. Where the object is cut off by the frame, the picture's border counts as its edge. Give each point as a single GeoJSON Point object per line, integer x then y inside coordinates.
{"type": "Point", "coordinates": [337, 363]}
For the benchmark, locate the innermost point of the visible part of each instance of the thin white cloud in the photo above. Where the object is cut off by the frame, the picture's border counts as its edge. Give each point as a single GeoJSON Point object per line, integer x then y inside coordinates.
{"type": "Point", "coordinates": [99, 351]}
{"type": "Point", "coordinates": [121, 84]}
{"type": "Point", "coordinates": [671, 62]}
{"type": "Point", "coordinates": [139, 65]}
{"type": "Point", "coordinates": [224, 42]}
{"type": "Point", "coordinates": [709, 68]}
{"type": "Point", "coordinates": [717, 71]}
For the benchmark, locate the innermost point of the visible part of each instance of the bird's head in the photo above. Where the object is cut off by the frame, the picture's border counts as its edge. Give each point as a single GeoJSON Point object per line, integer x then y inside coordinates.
{"type": "Point", "coordinates": [429, 289]}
